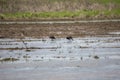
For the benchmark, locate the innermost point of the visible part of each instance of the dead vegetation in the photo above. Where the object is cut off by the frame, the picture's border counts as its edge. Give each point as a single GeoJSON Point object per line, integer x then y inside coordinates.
{"type": "Point", "coordinates": [9, 59]}
{"type": "Point", "coordinates": [11, 6]}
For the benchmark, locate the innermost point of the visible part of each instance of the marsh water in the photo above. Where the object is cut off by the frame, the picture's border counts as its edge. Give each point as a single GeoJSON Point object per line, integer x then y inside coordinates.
{"type": "Point", "coordinates": [85, 58]}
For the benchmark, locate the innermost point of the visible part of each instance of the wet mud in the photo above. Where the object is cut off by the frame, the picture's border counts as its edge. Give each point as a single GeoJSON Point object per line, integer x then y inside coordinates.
{"type": "Point", "coordinates": [58, 30]}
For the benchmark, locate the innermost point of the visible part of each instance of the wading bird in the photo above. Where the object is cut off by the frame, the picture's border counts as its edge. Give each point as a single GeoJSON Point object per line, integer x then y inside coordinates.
{"type": "Point", "coordinates": [52, 37]}
{"type": "Point", "coordinates": [69, 38]}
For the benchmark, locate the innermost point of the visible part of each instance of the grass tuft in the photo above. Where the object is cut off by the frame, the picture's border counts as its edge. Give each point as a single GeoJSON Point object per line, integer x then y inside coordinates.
{"type": "Point", "coordinates": [9, 59]}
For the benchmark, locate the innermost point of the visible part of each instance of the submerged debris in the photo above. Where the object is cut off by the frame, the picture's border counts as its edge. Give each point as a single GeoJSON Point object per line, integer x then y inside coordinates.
{"type": "Point", "coordinates": [9, 59]}
{"type": "Point", "coordinates": [26, 56]}
{"type": "Point", "coordinates": [81, 58]}
{"type": "Point", "coordinates": [28, 50]}
{"type": "Point", "coordinates": [96, 57]}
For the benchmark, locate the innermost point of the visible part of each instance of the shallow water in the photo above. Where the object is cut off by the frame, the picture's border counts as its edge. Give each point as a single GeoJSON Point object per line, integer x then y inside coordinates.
{"type": "Point", "coordinates": [60, 59]}
{"type": "Point", "coordinates": [61, 49]}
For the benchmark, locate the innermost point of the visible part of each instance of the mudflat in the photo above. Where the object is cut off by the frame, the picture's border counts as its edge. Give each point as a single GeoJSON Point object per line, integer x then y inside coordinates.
{"type": "Point", "coordinates": [58, 30]}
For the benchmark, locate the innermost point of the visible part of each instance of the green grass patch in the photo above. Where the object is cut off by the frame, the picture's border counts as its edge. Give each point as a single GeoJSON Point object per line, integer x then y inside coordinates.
{"type": "Point", "coordinates": [61, 14]}
{"type": "Point", "coordinates": [106, 1]}
{"type": "Point", "coordinates": [112, 12]}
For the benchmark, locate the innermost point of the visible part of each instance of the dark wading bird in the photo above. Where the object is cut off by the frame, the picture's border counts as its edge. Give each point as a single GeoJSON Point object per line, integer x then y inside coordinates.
{"type": "Point", "coordinates": [69, 38]}
{"type": "Point", "coordinates": [2, 37]}
{"type": "Point", "coordinates": [52, 37]}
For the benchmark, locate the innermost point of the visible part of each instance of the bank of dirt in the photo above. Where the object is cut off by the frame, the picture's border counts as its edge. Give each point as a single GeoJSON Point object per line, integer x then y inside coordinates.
{"type": "Point", "coordinates": [58, 30]}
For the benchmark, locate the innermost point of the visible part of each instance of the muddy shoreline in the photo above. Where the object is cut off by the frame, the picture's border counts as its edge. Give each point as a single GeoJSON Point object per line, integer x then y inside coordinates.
{"type": "Point", "coordinates": [58, 30]}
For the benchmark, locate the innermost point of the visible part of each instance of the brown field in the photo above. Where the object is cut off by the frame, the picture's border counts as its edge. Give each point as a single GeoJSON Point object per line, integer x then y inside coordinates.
{"type": "Point", "coordinates": [58, 30]}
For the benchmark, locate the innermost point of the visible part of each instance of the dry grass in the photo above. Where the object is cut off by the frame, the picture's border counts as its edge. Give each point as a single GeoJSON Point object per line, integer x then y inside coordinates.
{"type": "Point", "coordinates": [11, 6]}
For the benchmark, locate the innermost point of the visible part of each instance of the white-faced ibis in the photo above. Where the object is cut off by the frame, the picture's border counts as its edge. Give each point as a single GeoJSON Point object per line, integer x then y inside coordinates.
{"type": "Point", "coordinates": [52, 37]}
{"type": "Point", "coordinates": [2, 37]}
{"type": "Point", "coordinates": [69, 38]}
